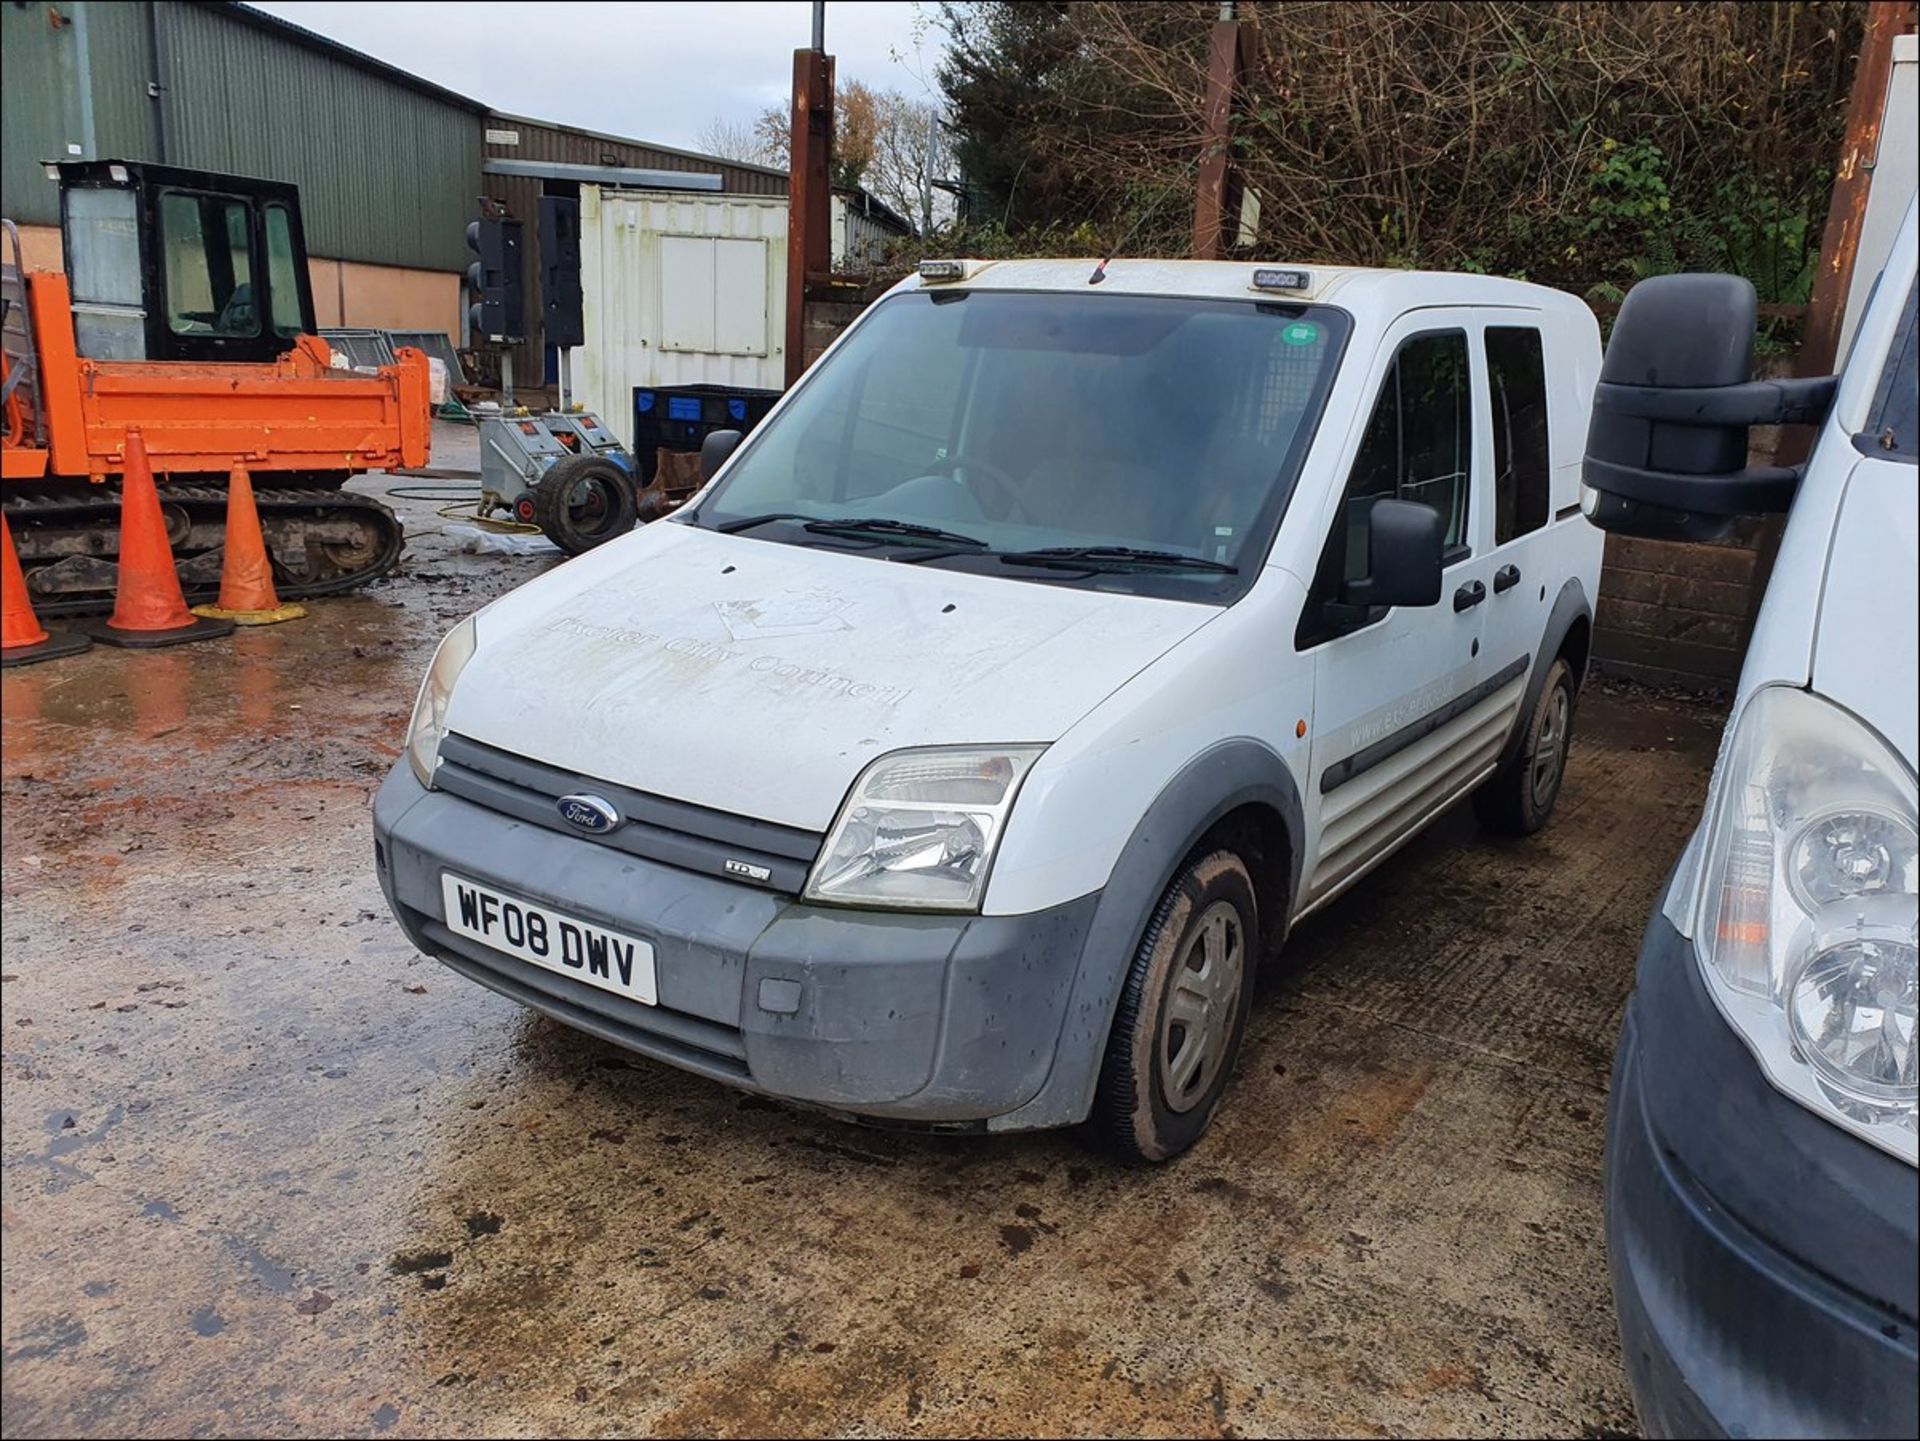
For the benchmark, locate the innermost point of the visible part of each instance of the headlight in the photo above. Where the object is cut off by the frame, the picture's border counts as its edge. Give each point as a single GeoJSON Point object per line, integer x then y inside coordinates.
{"type": "Point", "coordinates": [1806, 909]}
{"type": "Point", "coordinates": [429, 721]}
{"type": "Point", "coordinates": [919, 829]}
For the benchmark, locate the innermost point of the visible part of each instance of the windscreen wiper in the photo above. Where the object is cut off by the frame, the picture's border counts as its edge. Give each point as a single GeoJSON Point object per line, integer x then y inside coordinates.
{"type": "Point", "coordinates": [1114, 557]}
{"type": "Point", "coordinates": [748, 522]}
{"type": "Point", "coordinates": [881, 525]}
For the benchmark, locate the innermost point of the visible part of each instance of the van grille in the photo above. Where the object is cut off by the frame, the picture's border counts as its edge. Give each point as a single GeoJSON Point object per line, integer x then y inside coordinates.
{"type": "Point", "coordinates": [674, 833]}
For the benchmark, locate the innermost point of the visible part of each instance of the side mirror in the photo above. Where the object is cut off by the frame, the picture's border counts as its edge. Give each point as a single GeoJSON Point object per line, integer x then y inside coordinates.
{"type": "Point", "coordinates": [714, 451]}
{"type": "Point", "coordinates": [1667, 445]}
{"type": "Point", "coordinates": [1404, 543]}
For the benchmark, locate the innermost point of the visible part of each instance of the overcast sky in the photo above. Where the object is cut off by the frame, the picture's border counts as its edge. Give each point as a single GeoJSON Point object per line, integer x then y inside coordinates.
{"type": "Point", "coordinates": [645, 71]}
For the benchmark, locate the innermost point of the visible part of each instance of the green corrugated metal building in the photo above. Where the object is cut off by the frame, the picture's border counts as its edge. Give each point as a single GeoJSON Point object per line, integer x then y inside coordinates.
{"type": "Point", "coordinates": [388, 164]}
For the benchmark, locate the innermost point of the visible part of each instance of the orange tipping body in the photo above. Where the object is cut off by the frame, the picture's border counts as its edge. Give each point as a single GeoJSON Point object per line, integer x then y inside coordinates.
{"type": "Point", "coordinates": [297, 414]}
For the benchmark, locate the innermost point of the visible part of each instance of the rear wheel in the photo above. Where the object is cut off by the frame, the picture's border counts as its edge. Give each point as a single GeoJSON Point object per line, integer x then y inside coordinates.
{"type": "Point", "coordinates": [1182, 1012]}
{"type": "Point", "coordinates": [1517, 799]}
{"type": "Point", "coordinates": [583, 501]}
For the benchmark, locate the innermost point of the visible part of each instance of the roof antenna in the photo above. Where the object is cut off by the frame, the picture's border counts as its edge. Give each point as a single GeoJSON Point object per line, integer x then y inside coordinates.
{"type": "Point", "coordinates": [1100, 270]}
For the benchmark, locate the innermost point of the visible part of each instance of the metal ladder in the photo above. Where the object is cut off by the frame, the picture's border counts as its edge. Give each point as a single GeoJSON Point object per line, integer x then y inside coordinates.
{"type": "Point", "coordinates": [16, 337]}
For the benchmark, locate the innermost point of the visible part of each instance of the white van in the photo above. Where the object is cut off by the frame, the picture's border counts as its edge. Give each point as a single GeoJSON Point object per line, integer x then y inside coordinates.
{"type": "Point", "coordinates": [1761, 1217]}
{"type": "Point", "coordinates": [1066, 635]}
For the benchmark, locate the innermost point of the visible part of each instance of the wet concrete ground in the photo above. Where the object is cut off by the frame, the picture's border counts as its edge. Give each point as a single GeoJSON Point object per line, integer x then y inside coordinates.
{"type": "Point", "coordinates": [267, 1170]}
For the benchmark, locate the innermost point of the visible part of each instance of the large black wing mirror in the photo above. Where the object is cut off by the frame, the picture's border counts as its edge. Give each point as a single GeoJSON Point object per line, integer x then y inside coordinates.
{"type": "Point", "coordinates": [714, 451]}
{"type": "Point", "coordinates": [1667, 445]}
{"type": "Point", "coordinates": [1404, 543]}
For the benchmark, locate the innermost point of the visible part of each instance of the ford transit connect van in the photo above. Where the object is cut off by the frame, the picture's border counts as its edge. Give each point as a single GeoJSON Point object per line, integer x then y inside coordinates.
{"type": "Point", "coordinates": [1059, 641]}
{"type": "Point", "coordinates": [1762, 1203]}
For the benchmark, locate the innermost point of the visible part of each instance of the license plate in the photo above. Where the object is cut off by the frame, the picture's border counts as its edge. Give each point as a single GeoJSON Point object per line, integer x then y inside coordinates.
{"type": "Point", "coordinates": [543, 937]}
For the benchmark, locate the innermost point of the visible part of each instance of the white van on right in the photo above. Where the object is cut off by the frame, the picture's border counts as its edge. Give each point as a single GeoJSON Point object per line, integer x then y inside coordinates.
{"type": "Point", "coordinates": [1761, 1145]}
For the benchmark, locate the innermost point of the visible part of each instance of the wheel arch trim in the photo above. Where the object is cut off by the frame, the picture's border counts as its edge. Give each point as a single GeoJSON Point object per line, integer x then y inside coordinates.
{"type": "Point", "coordinates": [1227, 776]}
{"type": "Point", "coordinates": [1570, 607]}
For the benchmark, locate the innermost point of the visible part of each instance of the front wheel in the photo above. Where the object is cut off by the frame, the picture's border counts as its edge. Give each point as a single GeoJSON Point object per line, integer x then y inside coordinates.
{"type": "Point", "coordinates": [1517, 799]}
{"type": "Point", "coordinates": [1182, 1012]}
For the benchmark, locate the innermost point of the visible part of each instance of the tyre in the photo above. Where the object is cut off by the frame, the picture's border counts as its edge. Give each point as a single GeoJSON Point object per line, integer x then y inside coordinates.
{"type": "Point", "coordinates": [1183, 1009]}
{"type": "Point", "coordinates": [1517, 799]}
{"type": "Point", "coordinates": [583, 501]}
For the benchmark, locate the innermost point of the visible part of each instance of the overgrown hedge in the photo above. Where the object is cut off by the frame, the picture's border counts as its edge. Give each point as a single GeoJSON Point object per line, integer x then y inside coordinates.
{"type": "Point", "coordinates": [1582, 145]}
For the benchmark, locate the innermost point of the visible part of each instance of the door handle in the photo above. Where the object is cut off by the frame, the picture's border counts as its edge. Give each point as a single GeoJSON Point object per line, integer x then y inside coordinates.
{"type": "Point", "coordinates": [1469, 595]}
{"type": "Point", "coordinates": [1506, 578]}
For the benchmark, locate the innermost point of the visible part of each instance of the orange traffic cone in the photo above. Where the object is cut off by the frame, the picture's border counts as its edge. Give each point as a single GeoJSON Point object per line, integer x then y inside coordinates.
{"type": "Point", "coordinates": [22, 638]}
{"type": "Point", "coordinates": [148, 607]}
{"type": "Point", "coordinates": [246, 578]}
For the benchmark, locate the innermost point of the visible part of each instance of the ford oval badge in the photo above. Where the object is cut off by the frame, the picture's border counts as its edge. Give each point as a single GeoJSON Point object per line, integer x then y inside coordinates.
{"type": "Point", "coordinates": [589, 813]}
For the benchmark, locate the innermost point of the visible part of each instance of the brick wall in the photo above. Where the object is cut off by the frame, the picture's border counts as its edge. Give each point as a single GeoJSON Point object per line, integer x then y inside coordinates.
{"type": "Point", "coordinates": [1676, 614]}
{"type": "Point", "coordinates": [825, 319]}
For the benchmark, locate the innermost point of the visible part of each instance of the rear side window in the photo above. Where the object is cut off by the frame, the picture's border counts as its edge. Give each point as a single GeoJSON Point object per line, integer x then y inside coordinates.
{"type": "Point", "coordinates": [1517, 385]}
{"type": "Point", "coordinates": [283, 285]}
{"type": "Point", "coordinates": [1418, 446]}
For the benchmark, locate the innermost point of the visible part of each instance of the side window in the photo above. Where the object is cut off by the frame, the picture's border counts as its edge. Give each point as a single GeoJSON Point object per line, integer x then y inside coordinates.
{"type": "Point", "coordinates": [206, 247]}
{"type": "Point", "coordinates": [283, 281]}
{"type": "Point", "coordinates": [1436, 427]}
{"type": "Point", "coordinates": [103, 259]}
{"type": "Point", "coordinates": [1418, 446]}
{"type": "Point", "coordinates": [1517, 382]}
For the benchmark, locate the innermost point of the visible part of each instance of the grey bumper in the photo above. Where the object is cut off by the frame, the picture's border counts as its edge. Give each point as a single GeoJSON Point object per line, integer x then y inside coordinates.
{"type": "Point", "coordinates": [929, 1019]}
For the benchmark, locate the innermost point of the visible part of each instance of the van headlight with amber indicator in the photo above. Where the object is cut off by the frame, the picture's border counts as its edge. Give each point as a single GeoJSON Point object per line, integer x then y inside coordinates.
{"type": "Point", "coordinates": [919, 829]}
{"type": "Point", "coordinates": [1805, 910]}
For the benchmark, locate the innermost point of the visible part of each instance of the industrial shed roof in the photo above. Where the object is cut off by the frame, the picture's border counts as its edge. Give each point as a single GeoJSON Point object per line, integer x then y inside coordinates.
{"type": "Point", "coordinates": [342, 54]}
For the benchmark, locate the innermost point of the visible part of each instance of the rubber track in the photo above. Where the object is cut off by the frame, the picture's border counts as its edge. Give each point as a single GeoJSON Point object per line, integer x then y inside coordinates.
{"type": "Point", "coordinates": [24, 504]}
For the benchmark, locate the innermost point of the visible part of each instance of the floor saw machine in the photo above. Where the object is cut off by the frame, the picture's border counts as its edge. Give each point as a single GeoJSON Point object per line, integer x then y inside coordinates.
{"type": "Point", "coordinates": [561, 470]}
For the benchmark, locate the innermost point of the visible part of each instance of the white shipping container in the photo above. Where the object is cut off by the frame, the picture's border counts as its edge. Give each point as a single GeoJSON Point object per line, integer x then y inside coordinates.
{"type": "Point", "coordinates": [679, 289]}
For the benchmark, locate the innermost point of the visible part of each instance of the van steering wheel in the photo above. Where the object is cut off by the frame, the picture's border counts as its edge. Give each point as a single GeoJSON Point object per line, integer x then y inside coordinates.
{"type": "Point", "coordinates": [1006, 490]}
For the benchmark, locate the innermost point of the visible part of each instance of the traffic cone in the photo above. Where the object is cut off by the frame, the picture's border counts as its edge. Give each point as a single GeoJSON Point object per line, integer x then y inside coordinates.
{"type": "Point", "coordinates": [23, 639]}
{"type": "Point", "coordinates": [246, 578]}
{"type": "Point", "coordinates": [148, 607]}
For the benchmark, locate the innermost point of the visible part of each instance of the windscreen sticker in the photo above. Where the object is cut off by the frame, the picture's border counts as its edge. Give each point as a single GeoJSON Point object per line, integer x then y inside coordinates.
{"type": "Point", "coordinates": [1301, 332]}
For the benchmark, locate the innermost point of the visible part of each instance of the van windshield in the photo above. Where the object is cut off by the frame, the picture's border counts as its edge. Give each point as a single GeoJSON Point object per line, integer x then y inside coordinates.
{"type": "Point", "coordinates": [1155, 439]}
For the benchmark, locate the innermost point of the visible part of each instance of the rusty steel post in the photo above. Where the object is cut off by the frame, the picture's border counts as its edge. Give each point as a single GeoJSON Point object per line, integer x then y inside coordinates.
{"type": "Point", "coordinates": [1840, 241]}
{"type": "Point", "coordinates": [809, 194]}
{"type": "Point", "coordinates": [1217, 189]}
{"type": "Point", "coordinates": [1839, 247]}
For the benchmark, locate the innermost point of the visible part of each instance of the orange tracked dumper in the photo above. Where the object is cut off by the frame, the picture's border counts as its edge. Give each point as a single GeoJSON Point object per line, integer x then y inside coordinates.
{"type": "Point", "coordinates": [184, 308]}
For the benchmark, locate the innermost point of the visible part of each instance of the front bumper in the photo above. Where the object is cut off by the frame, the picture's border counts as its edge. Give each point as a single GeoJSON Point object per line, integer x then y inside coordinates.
{"type": "Point", "coordinates": [942, 1020]}
{"type": "Point", "coordinates": [1762, 1258]}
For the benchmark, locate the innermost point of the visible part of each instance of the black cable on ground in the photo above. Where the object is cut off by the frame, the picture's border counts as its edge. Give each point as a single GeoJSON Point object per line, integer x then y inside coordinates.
{"type": "Point", "coordinates": [434, 492]}
{"type": "Point", "coordinates": [459, 503]}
